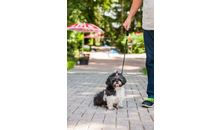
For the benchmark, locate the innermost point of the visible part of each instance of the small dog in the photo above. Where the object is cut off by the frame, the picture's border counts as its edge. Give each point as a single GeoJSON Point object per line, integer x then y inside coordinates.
{"type": "Point", "coordinates": [114, 92]}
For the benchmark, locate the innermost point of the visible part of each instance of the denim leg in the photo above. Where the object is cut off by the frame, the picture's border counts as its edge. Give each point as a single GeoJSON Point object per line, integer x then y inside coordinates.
{"type": "Point", "coordinates": [149, 48]}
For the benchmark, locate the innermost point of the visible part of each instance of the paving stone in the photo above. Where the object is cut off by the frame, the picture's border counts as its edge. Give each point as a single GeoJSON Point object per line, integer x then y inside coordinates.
{"type": "Point", "coordinates": [122, 123]}
{"type": "Point", "coordinates": [132, 109]}
{"type": "Point", "coordinates": [97, 121]}
{"type": "Point", "coordinates": [136, 122]}
{"type": "Point", "coordinates": [122, 114]}
{"type": "Point", "coordinates": [132, 104]}
{"type": "Point", "coordinates": [143, 109]}
{"type": "Point", "coordinates": [144, 114]}
{"type": "Point", "coordinates": [109, 126]}
{"type": "Point", "coordinates": [80, 111]}
{"type": "Point", "coordinates": [146, 120]}
{"type": "Point", "coordinates": [82, 125]}
{"type": "Point", "coordinates": [87, 116]}
{"type": "Point", "coordinates": [99, 116]}
{"type": "Point", "coordinates": [96, 126]}
{"type": "Point", "coordinates": [72, 123]}
{"type": "Point", "coordinates": [109, 116]}
{"type": "Point", "coordinates": [133, 116]}
{"type": "Point", "coordinates": [149, 126]}
{"type": "Point", "coordinates": [92, 110]}
{"type": "Point", "coordinates": [137, 127]}
{"type": "Point", "coordinates": [73, 108]}
{"type": "Point", "coordinates": [75, 117]}
{"type": "Point", "coordinates": [110, 121]}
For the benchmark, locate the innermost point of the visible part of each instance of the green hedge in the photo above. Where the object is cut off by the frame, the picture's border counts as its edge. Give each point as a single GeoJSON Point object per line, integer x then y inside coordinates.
{"type": "Point", "coordinates": [85, 49]}
{"type": "Point", "coordinates": [70, 64]}
{"type": "Point", "coordinates": [97, 44]}
{"type": "Point", "coordinates": [137, 43]}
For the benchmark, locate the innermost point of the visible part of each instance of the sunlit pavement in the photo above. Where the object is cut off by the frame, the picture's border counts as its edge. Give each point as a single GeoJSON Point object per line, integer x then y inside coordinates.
{"type": "Point", "coordinates": [84, 81]}
{"type": "Point", "coordinates": [102, 60]}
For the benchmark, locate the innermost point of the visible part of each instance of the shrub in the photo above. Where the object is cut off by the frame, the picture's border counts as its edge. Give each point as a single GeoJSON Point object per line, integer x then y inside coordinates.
{"type": "Point", "coordinates": [86, 49]}
{"type": "Point", "coordinates": [70, 64]}
{"type": "Point", "coordinates": [97, 44]}
{"type": "Point", "coordinates": [91, 41]}
{"type": "Point", "coordinates": [137, 43]}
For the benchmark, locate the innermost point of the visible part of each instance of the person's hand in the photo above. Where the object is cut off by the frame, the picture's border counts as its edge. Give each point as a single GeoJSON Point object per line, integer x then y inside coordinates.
{"type": "Point", "coordinates": [127, 24]}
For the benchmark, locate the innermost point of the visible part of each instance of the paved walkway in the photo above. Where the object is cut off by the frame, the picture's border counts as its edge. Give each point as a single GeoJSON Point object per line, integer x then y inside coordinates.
{"type": "Point", "coordinates": [84, 81]}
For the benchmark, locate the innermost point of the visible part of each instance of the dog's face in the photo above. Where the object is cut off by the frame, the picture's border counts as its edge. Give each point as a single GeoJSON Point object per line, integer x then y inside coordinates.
{"type": "Point", "coordinates": [116, 80]}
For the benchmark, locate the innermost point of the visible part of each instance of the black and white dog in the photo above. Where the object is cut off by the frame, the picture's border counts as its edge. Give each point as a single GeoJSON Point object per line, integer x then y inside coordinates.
{"type": "Point", "coordinates": [114, 92]}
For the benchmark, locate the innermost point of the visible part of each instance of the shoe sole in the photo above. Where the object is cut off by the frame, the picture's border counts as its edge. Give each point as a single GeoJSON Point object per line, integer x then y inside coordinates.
{"type": "Point", "coordinates": [147, 106]}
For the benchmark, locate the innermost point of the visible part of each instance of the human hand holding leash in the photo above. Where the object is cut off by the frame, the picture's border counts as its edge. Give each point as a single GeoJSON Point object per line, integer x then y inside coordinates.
{"type": "Point", "coordinates": [127, 24]}
{"type": "Point", "coordinates": [136, 4]}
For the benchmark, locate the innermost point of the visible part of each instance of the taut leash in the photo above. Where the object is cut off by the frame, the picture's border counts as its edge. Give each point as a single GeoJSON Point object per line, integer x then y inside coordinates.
{"type": "Point", "coordinates": [124, 54]}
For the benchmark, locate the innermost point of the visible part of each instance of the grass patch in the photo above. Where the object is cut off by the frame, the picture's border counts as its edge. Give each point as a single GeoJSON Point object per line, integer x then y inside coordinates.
{"type": "Point", "coordinates": [144, 71]}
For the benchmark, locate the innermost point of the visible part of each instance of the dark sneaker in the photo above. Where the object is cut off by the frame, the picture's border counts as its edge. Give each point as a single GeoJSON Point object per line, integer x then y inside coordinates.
{"type": "Point", "coordinates": [148, 102]}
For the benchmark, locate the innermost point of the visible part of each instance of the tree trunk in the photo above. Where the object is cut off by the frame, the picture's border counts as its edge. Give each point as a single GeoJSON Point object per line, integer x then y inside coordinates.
{"type": "Point", "coordinates": [122, 12]}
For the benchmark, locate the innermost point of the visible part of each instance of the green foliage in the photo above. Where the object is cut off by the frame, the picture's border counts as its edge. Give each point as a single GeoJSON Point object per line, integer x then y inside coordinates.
{"type": "Point", "coordinates": [91, 41]}
{"type": "Point", "coordinates": [84, 57]}
{"type": "Point", "coordinates": [119, 45]}
{"type": "Point", "coordinates": [70, 64]}
{"type": "Point", "coordinates": [74, 42]}
{"type": "Point", "coordinates": [137, 43]}
{"type": "Point", "coordinates": [90, 11]}
{"type": "Point", "coordinates": [85, 49]}
{"type": "Point", "coordinates": [97, 44]}
{"type": "Point", "coordinates": [144, 71]}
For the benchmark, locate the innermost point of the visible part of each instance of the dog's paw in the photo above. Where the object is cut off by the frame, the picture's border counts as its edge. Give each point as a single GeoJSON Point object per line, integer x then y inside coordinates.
{"type": "Point", "coordinates": [111, 108]}
{"type": "Point", "coordinates": [104, 106]}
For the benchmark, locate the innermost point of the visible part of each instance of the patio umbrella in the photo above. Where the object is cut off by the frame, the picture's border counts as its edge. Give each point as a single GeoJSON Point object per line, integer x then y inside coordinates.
{"type": "Point", "coordinates": [84, 27]}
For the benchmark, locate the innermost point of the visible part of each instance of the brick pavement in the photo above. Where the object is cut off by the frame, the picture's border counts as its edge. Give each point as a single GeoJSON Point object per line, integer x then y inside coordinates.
{"type": "Point", "coordinates": [84, 83]}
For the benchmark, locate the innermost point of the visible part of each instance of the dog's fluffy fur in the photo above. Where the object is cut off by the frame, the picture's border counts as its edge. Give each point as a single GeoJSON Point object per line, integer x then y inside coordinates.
{"type": "Point", "coordinates": [114, 92]}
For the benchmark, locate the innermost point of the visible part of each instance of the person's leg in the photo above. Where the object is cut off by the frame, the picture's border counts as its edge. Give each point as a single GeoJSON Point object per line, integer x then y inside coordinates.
{"type": "Point", "coordinates": [149, 48]}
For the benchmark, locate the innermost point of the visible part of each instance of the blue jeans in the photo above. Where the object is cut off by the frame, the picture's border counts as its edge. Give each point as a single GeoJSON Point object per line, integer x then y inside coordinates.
{"type": "Point", "coordinates": [149, 48]}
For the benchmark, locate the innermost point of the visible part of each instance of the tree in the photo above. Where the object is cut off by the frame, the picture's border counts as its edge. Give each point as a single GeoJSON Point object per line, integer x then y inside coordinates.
{"type": "Point", "coordinates": [122, 20]}
{"type": "Point", "coordinates": [94, 11]}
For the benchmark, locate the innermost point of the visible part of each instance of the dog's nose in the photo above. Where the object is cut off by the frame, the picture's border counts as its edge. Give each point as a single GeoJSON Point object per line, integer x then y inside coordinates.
{"type": "Point", "coordinates": [116, 81]}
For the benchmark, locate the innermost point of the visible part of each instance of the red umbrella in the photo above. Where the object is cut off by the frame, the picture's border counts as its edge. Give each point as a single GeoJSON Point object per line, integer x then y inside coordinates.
{"type": "Point", "coordinates": [84, 27]}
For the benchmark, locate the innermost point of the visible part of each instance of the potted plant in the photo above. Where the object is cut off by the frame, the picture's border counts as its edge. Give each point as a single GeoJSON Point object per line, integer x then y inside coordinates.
{"type": "Point", "coordinates": [86, 55]}
{"type": "Point", "coordinates": [84, 60]}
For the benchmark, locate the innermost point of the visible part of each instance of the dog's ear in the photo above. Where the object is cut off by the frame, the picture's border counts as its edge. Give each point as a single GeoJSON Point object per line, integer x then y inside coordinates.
{"type": "Point", "coordinates": [108, 81]}
{"type": "Point", "coordinates": [123, 78]}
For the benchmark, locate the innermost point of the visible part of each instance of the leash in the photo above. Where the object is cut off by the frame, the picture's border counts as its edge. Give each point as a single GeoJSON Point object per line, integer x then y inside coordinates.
{"type": "Point", "coordinates": [124, 55]}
